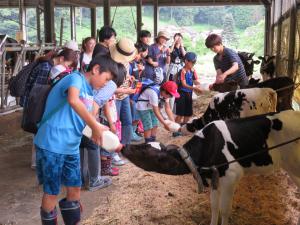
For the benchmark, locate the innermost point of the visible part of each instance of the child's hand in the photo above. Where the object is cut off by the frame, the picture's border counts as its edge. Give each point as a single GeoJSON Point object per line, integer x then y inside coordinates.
{"type": "Point", "coordinates": [155, 64]}
{"type": "Point", "coordinates": [197, 90]}
{"type": "Point", "coordinates": [166, 126]}
{"type": "Point", "coordinates": [97, 132]}
{"type": "Point", "coordinates": [113, 128]}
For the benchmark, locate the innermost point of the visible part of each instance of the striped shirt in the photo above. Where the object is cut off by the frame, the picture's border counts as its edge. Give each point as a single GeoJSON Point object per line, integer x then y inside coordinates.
{"type": "Point", "coordinates": [225, 61]}
{"type": "Point", "coordinates": [102, 95]}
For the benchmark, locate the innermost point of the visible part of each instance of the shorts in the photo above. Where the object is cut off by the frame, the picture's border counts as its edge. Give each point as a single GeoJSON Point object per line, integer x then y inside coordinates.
{"type": "Point", "coordinates": [54, 170]}
{"type": "Point", "coordinates": [148, 118]}
{"type": "Point", "coordinates": [184, 104]}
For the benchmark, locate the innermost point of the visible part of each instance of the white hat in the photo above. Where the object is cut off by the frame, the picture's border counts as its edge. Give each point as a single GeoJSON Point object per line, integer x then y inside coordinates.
{"type": "Point", "coordinates": [72, 45]}
{"type": "Point", "coordinates": [124, 51]}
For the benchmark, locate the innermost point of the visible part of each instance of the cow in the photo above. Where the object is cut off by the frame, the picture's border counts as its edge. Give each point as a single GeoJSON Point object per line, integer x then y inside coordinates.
{"type": "Point", "coordinates": [284, 87]}
{"type": "Point", "coordinates": [235, 104]}
{"type": "Point", "coordinates": [267, 67]}
{"type": "Point", "coordinates": [234, 148]}
{"type": "Point", "coordinates": [248, 62]}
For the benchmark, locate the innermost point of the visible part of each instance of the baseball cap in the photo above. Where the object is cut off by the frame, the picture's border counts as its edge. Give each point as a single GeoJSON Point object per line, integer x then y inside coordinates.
{"type": "Point", "coordinates": [171, 87]}
{"type": "Point", "coordinates": [190, 56]}
{"type": "Point", "coordinates": [72, 45]}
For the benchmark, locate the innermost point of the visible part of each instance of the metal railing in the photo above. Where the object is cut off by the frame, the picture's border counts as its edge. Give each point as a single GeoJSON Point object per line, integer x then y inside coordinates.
{"type": "Point", "coordinates": [9, 103]}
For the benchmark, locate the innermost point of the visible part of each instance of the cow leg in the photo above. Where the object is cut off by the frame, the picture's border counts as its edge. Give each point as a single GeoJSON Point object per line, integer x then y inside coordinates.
{"type": "Point", "coordinates": [227, 186]}
{"type": "Point", "coordinates": [215, 206]}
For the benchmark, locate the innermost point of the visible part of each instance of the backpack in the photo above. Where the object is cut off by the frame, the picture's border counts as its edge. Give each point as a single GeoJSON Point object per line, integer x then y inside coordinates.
{"type": "Point", "coordinates": [17, 83]}
{"type": "Point", "coordinates": [177, 79]}
{"type": "Point", "coordinates": [33, 113]}
{"type": "Point", "coordinates": [142, 86]}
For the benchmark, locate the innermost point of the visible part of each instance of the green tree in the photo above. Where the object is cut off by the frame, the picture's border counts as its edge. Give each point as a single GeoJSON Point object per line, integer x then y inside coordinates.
{"type": "Point", "coordinates": [228, 34]}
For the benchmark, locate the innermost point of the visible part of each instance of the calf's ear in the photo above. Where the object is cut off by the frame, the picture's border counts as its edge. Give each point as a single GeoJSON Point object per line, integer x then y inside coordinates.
{"type": "Point", "coordinates": [256, 62]}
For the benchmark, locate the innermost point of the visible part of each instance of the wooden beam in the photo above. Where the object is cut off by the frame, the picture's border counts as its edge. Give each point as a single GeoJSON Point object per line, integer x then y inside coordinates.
{"type": "Point", "coordinates": [155, 16]}
{"type": "Point", "coordinates": [38, 24]}
{"type": "Point", "coordinates": [49, 21]}
{"type": "Point", "coordinates": [138, 17]}
{"type": "Point", "coordinates": [106, 12]}
{"type": "Point", "coordinates": [93, 22]}
{"type": "Point", "coordinates": [292, 38]}
{"type": "Point", "coordinates": [78, 3]}
{"type": "Point", "coordinates": [266, 2]}
{"type": "Point", "coordinates": [267, 29]}
{"type": "Point", "coordinates": [73, 22]}
{"type": "Point", "coordinates": [22, 19]}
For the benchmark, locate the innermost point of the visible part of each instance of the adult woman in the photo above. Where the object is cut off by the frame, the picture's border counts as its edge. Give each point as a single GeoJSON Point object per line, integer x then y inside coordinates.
{"type": "Point", "coordinates": [158, 56]}
{"type": "Point", "coordinates": [177, 56]}
{"type": "Point", "coordinates": [88, 45]}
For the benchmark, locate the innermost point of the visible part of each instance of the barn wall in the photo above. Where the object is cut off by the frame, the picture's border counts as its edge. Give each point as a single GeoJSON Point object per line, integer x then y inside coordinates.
{"type": "Point", "coordinates": [285, 38]}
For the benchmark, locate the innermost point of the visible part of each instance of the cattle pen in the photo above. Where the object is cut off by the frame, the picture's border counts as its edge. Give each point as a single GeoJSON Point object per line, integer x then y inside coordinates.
{"type": "Point", "coordinates": [138, 197]}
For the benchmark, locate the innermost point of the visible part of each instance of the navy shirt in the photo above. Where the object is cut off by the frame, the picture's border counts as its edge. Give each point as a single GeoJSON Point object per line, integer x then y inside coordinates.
{"type": "Point", "coordinates": [224, 62]}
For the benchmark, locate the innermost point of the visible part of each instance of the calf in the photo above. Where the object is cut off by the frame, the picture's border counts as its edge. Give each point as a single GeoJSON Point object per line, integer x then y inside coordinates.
{"type": "Point", "coordinates": [235, 104]}
{"type": "Point", "coordinates": [267, 67]}
{"type": "Point", "coordinates": [221, 142]}
{"type": "Point", "coordinates": [284, 87]}
{"type": "Point", "coordinates": [248, 62]}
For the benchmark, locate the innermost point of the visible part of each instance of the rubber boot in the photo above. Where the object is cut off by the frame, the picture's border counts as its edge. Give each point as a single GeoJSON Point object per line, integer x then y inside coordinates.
{"type": "Point", "coordinates": [70, 211]}
{"type": "Point", "coordinates": [49, 218]}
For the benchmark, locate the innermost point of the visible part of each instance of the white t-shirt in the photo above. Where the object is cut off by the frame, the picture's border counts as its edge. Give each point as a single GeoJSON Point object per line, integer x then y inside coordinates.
{"type": "Point", "coordinates": [150, 95]}
{"type": "Point", "coordinates": [86, 59]}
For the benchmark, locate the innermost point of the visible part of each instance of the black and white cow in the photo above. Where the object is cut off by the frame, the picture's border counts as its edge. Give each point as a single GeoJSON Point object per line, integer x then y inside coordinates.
{"type": "Point", "coordinates": [267, 67]}
{"type": "Point", "coordinates": [284, 87]}
{"type": "Point", "coordinates": [248, 62]}
{"type": "Point", "coordinates": [221, 142]}
{"type": "Point", "coordinates": [235, 104]}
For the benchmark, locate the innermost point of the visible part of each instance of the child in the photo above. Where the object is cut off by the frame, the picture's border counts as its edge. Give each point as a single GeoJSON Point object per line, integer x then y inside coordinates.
{"type": "Point", "coordinates": [187, 77]}
{"type": "Point", "coordinates": [148, 107]}
{"type": "Point", "coordinates": [68, 109]}
{"type": "Point", "coordinates": [228, 64]}
{"type": "Point", "coordinates": [65, 59]}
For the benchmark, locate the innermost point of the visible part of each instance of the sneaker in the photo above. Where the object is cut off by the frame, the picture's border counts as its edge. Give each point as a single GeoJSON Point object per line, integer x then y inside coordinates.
{"type": "Point", "coordinates": [117, 161]}
{"type": "Point", "coordinates": [135, 137]}
{"type": "Point", "coordinates": [101, 182]}
{"type": "Point", "coordinates": [176, 134]}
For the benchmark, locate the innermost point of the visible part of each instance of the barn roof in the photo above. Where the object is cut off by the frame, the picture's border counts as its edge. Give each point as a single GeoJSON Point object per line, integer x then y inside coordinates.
{"type": "Point", "coordinates": [94, 3]}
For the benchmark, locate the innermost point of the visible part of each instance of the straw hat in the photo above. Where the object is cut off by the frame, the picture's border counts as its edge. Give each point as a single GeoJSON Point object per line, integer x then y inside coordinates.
{"type": "Point", "coordinates": [163, 34]}
{"type": "Point", "coordinates": [124, 51]}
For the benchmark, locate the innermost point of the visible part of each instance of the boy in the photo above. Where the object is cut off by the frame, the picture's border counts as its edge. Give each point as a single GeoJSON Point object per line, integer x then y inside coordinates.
{"type": "Point", "coordinates": [148, 107]}
{"type": "Point", "coordinates": [228, 64]}
{"type": "Point", "coordinates": [68, 109]}
{"type": "Point", "coordinates": [186, 78]}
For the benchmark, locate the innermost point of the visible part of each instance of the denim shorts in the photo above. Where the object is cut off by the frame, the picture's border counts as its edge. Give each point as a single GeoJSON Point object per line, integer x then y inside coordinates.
{"type": "Point", "coordinates": [54, 170]}
{"type": "Point", "coordinates": [148, 118]}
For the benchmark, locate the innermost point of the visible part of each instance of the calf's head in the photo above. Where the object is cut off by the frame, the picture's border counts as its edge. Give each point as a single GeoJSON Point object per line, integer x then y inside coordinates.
{"type": "Point", "coordinates": [156, 157]}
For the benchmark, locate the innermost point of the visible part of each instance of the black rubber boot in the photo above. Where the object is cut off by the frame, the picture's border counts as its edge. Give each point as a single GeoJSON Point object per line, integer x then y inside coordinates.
{"type": "Point", "coordinates": [49, 218]}
{"type": "Point", "coordinates": [70, 211]}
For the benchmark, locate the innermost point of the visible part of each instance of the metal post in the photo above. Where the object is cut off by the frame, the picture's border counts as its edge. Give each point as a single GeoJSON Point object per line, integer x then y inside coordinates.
{"type": "Point", "coordinates": [106, 12]}
{"type": "Point", "coordinates": [93, 22]}
{"type": "Point", "coordinates": [292, 38]}
{"type": "Point", "coordinates": [155, 4]}
{"type": "Point", "coordinates": [138, 17]}
{"type": "Point", "coordinates": [38, 25]}
{"type": "Point", "coordinates": [49, 21]}
{"type": "Point", "coordinates": [22, 19]}
{"type": "Point", "coordinates": [73, 22]}
{"type": "Point", "coordinates": [279, 29]}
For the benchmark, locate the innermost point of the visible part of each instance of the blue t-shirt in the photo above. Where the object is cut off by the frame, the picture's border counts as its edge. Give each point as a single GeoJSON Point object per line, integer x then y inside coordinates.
{"type": "Point", "coordinates": [225, 62]}
{"type": "Point", "coordinates": [62, 132]}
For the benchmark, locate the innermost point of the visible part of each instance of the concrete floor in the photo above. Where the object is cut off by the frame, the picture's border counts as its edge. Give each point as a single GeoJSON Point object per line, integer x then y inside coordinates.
{"type": "Point", "coordinates": [20, 195]}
